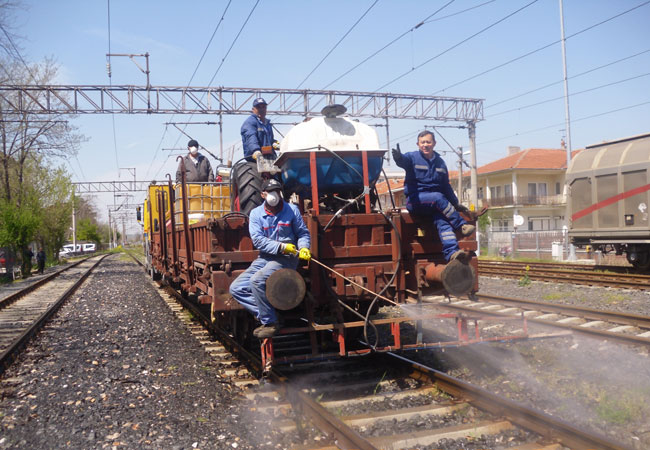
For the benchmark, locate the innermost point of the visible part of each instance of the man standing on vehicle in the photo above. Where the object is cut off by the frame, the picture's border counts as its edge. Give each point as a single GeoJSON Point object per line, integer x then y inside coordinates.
{"type": "Point", "coordinates": [428, 192]}
{"type": "Point", "coordinates": [278, 231]}
{"type": "Point", "coordinates": [197, 166]}
{"type": "Point", "coordinates": [257, 131]}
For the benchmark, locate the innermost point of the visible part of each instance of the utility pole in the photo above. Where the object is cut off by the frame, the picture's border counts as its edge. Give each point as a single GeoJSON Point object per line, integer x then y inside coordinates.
{"type": "Point", "coordinates": [567, 116]}
{"type": "Point", "coordinates": [74, 223]}
{"type": "Point", "coordinates": [471, 129]}
{"type": "Point", "coordinates": [460, 174]}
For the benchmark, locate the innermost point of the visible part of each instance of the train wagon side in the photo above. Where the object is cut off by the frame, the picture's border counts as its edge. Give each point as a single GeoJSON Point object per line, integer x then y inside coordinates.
{"type": "Point", "coordinates": [609, 194]}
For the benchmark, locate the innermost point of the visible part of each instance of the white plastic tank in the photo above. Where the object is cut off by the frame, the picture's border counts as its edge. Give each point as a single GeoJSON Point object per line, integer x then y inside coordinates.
{"type": "Point", "coordinates": [331, 132]}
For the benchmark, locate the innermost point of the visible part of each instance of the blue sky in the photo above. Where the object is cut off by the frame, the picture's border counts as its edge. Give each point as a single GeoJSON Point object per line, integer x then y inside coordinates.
{"type": "Point", "coordinates": [283, 41]}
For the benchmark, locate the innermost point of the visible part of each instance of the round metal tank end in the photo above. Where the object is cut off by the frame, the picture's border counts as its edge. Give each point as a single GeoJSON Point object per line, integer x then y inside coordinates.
{"type": "Point", "coordinates": [458, 278]}
{"type": "Point", "coordinates": [285, 289]}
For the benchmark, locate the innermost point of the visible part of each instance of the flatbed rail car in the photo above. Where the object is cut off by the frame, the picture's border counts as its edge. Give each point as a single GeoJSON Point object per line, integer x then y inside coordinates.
{"type": "Point", "coordinates": [609, 197]}
{"type": "Point", "coordinates": [389, 253]}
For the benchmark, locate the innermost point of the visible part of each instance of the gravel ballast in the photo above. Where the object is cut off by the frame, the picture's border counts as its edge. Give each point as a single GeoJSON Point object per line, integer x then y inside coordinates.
{"type": "Point", "coordinates": [115, 368]}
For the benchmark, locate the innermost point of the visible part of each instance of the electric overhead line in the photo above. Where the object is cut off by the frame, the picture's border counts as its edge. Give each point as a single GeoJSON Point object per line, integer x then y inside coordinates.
{"type": "Point", "coordinates": [223, 60]}
{"type": "Point", "coordinates": [457, 45]}
{"type": "Point", "coordinates": [544, 47]}
{"type": "Point", "coordinates": [391, 43]}
{"type": "Point", "coordinates": [572, 121]}
{"type": "Point", "coordinates": [17, 52]}
{"type": "Point", "coordinates": [216, 28]}
{"type": "Point", "coordinates": [569, 78]}
{"type": "Point", "coordinates": [338, 43]}
{"type": "Point", "coordinates": [570, 95]}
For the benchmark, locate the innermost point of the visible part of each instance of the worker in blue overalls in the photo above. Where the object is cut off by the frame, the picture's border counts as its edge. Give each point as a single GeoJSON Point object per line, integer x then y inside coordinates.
{"type": "Point", "coordinates": [428, 192]}
{"type": "Point", "coordinates": [257, 131]}
{"type": "Point", "coordinates": [278, 231]}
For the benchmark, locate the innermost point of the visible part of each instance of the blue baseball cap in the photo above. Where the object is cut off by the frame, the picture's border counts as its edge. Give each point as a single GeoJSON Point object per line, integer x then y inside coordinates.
{"type": "Point", "coordinates": [259, 101]}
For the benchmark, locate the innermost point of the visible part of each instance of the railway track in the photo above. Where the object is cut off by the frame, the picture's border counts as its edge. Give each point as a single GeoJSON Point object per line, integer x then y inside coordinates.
{"type": "Point", "coordinates": [574, 274]}
{"type": "Point", "coordinates": [381, 401]}
{"type": "Point", "coordinates": [621, 327]}
{"type": "Point", "coordinates": [23, 313]}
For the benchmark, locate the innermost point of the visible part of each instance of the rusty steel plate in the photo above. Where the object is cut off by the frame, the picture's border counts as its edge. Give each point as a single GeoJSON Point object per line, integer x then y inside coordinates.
{"type": "Point", "coordinates": [458, 278]}
{"type": "Point", "coordinates": [285, 289]}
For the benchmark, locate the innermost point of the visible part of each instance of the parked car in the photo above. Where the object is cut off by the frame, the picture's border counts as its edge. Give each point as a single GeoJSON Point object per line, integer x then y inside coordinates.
{"type": "Point", "coordinates": [88, 248]}
{"type": "Point", "coordinates": [8, 268]}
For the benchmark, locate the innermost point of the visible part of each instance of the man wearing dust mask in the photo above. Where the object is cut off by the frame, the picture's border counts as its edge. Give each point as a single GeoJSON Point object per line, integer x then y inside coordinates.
{"type": "Point", "coordinates": [197, 166]}
{"type": "Point", "coordinates": [279, 233]}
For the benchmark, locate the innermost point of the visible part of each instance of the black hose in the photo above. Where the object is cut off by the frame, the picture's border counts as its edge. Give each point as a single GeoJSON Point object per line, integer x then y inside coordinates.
{"type": "Point", "coordinates": [390, 282]}
{"type": "Point", "coordinates": [390, 191]}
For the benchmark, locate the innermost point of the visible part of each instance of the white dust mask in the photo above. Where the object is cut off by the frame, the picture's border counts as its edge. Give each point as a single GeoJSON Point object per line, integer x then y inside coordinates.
{"type": "Point", "coordinates": [194, 151]}
{"type": "Point", "coordinates": [273, 198]}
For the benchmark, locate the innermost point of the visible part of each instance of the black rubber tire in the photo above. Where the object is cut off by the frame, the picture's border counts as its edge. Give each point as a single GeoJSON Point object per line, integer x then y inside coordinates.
{"type": "Point", "coordinates": [249, 186]}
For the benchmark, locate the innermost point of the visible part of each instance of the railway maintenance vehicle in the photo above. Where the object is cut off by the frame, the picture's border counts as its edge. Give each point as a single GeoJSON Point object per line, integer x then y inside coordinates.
{"type": "Point", "coordinates": [365, 255]}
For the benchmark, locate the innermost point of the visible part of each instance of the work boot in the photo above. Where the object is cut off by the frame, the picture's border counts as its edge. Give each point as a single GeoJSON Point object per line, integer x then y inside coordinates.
{"type": "Point", "coordinates": [267, 330]}
{"type": "Point", "coordinates": [467, 229]}
{"type": "Point", "coordinates": [460, 255]}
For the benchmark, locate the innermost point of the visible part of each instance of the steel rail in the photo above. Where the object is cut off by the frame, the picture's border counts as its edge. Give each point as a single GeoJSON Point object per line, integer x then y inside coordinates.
{"type": "Point", "coordinates": [346, 437]}
{"type": "Point", "coordinates": [624, 338]}
{"type": "Point", "coordinates": [636, 320]}
{"type": "Point", "coordinates": [8, 300]}
{"type": "Point", "coordinates": [8, 356]}
{"type": "Point", "coordinates": [569, 276]}
{"type": "Point", "coordinates": [562, 266]}
{"type": "Point", "coordinates": [519, 414]}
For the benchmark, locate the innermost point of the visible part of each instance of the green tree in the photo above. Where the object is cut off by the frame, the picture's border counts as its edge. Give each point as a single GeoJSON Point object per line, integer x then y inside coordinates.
{"type": "Point", "coordinates": [54, 189]}
{"type": "Point", "coordinates": [88, 231]}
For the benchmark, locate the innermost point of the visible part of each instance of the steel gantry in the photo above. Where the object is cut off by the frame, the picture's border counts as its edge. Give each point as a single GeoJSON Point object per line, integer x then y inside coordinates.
{"type": "Point", "coordinates": [70, 99]}
{"type": "Point", "coordinates": [129, 99]}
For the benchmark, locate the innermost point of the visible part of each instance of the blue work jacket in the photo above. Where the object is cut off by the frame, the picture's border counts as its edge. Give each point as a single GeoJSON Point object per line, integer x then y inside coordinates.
{"type": "Point", "coordinates": [425, 175]}
{"type": "Point", "coordinates": [256, 134]}
{"type": "Point", "coordinates": [269, 231]}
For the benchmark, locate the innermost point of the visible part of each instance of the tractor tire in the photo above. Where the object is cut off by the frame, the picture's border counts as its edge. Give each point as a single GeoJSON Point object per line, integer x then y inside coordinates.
{"type": "Point", "coordinates": [249, 186]}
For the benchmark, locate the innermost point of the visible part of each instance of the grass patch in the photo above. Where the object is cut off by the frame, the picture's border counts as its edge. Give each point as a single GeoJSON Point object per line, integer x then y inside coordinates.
{"type": "Point", "coordinates": [619, 409]}
{"type": "Point", "coordinates": [201, 419]}
{"type": "Point", "coordinates": [553, 296]}
{"type": "Point", "coordinates": [612, 299]}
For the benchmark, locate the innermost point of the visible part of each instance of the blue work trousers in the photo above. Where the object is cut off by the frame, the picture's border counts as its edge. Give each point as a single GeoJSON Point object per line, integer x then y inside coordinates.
{"type": "Point", "coordinates": [444, 216]}
{"type": "Point", "coordinates": [249, 288]}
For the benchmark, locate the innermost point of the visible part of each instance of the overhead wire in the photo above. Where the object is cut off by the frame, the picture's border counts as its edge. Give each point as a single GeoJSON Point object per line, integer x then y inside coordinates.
{"type": "Point", "coordinates": [196, 68]}
{"type": "Point", "coordinates": [17, 52]}
{"type": "Point", "coordinates": [389, 44]}
{"type": "Point", "coordinates": [568, 78]}
{"type": "Point", "coordinates": [532, 52]}
{"type": "Point", "coordinates": [223, 60]}
{"type": "Point", "coordinates": [338, 43]}
{"type": "Point", "coordinates": [483, 30]}
{"type": "Point", "coordinates": [572, 121]}
{"type": "Point", "coordinates": [570, 95]}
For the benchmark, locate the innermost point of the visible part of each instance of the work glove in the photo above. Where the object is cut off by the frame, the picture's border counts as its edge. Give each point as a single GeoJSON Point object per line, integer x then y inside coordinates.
{"type": "Point", "coordinates": [288, 249]}
{"type": "Point", "coordinates": [257, 154]}
{"type": "Point", "coordinates": [462, 209]}
{"type": "Point", "coordinates": [397, 154]}
{"type": "Point", "coordinates": [276, 145]}
{"type": "Point", "coordinates": [304, 254]}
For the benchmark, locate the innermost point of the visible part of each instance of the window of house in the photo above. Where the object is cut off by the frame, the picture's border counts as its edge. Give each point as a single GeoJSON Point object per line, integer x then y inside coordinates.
{"type": "Point", "coordinates": [507, 190]}
{"type": "Point", "coordinates": [480, 192]}
{"type": "Point", "coordinates": [539, 223]}
{"type": "Point", "coordinates": [541, 189]}
{"type": "Point", "coordinates": [493, 192]}
{"type": "Point", "coordinates": [558, 191]}
{"type": "Point", "coordinates": [532, 189]}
